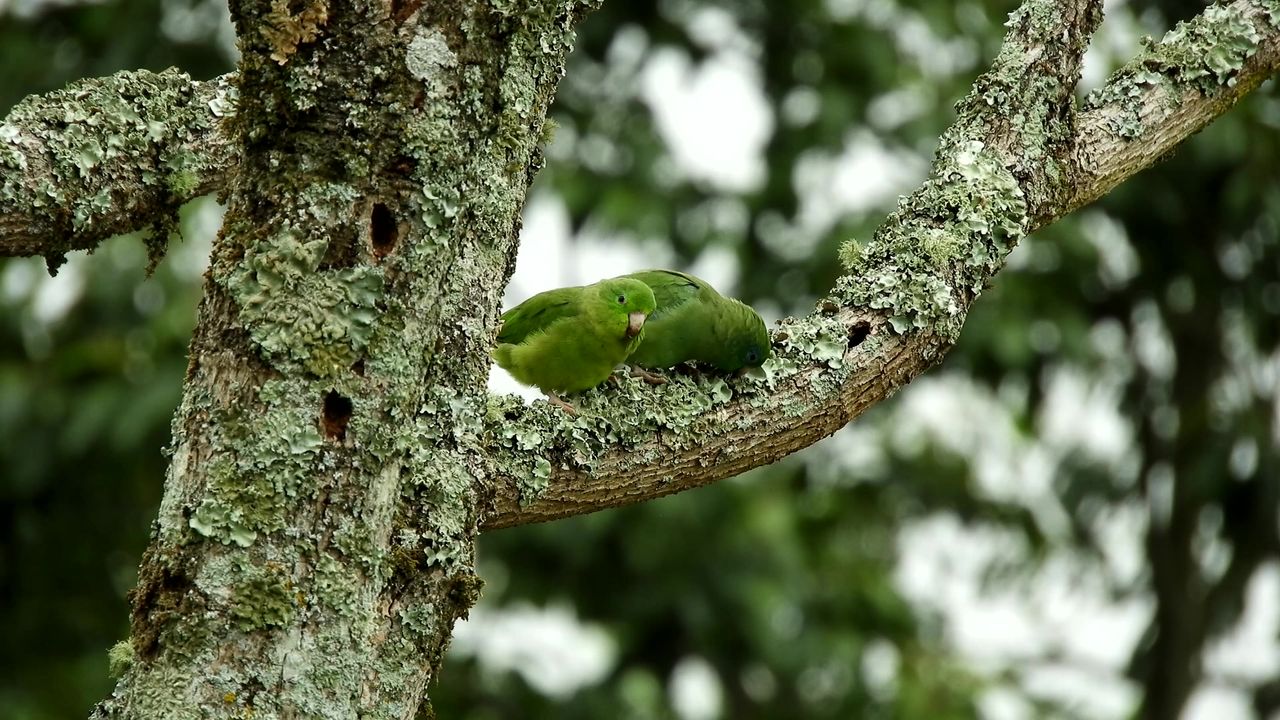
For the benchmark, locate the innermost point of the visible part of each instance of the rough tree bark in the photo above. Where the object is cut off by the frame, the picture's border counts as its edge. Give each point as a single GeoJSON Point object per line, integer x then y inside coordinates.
{"type": "Point", "coordinates": [335, 452]}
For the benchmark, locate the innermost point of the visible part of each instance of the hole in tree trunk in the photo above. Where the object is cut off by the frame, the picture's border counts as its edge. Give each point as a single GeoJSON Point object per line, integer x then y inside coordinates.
{"type": "Point", "coordinates": [337, 413]}
{"type": "Point", "coordinates": [402, 9]}
{"type": "Point", "coordinates": [383, 232]}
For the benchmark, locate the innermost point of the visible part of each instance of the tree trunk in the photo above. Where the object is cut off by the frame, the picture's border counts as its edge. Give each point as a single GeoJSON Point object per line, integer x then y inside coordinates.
{"type": "Point", "coordinates": [315, 541]}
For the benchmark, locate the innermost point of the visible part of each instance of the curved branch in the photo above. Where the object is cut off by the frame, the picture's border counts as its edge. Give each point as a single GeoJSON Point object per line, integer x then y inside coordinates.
{"type": "Point", "coordinates": [1015, 160]}
{"type": "Point", "coordinates": [110, 155]}
{"type": "Point", "coordinates": [708, 430]}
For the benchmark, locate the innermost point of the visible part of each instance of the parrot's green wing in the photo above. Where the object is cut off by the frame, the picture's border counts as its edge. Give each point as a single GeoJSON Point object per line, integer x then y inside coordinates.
{"type": "Point", "coordinates": [673, 289]}
{"type": "Point", "coordinates": [694, 322]}
{"type": "Point", "coordinates": [538, 313]}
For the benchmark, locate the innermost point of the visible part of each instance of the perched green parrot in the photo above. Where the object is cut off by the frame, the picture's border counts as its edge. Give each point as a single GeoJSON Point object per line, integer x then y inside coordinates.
{"type": "Point", "coordinates": [571, 339]}
{"type": "Point", "coordinates": [694, 322]}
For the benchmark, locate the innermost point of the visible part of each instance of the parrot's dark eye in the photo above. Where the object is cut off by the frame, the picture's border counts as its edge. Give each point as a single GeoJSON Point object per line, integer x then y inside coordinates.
{"type": "Point", "coordinates": [622, 299]}
{"type": "Point", "coordinates": [752, 357]}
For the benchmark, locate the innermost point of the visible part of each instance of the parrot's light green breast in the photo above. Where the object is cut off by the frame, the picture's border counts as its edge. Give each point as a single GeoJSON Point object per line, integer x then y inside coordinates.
{"type": "Point", "coordinates": [570, 339]}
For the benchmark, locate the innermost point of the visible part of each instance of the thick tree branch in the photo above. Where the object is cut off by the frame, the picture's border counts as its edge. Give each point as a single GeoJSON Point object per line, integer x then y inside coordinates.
{"type": "Point", "coordinates": [1015, 160]}
{"type": "Point", "coordinates": [108, 156]}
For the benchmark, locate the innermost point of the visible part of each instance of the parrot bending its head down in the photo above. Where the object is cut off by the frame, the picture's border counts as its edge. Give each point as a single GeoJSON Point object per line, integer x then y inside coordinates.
{"type": "Point", "coordinates": [694, 322]}
{"type": "Point", "coordinates": [570, 339]}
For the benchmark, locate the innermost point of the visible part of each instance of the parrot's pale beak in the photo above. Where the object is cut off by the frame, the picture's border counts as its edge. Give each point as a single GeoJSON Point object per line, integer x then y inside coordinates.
{"type": "Point", "coordinates": [635, 322]}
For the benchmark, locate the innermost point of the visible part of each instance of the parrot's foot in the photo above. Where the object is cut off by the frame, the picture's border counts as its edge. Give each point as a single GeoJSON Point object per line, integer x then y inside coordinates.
{"type": "Point", "coordinates": [554, 399]}
{"type": "Point", "coordinates": [651, 378]}
{"type": "Point", "coordinates": [691, 370]}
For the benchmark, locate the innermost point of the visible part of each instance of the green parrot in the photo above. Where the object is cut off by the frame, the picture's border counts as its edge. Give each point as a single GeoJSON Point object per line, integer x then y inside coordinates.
{"type": "Point", "coordinates": [694, 322]}
{"type": "Point", "coordinates": [571, 339]}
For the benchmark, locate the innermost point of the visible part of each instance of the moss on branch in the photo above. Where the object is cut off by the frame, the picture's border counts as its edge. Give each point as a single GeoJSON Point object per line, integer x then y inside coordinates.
{"type": "Point", "coordinates": [107, 156]}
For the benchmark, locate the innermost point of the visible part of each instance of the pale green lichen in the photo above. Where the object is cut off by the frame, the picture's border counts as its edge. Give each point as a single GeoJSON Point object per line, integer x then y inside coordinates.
{"type": "Point", "coordinates": [439, 480]}
{"type": "Point", "coordinates": [263, 597]}
{"type": "Point", "coordinates": [103, 122]}
{"type": "Point", "coordinates": [428, 59]}
{"type": "Point", "coordinates": [1125, 93]}
{"type": "Point", "coordinates": [333, 586]}
{"type": "Point", "coordinates": [300, 315]}
{"type": "Point", "coordinates": [937, 250]}
{"type": "Point", "coordinates": [223, 103]}
{"type": "Point", "coordinates": [621, 414]}
{"type": "Point", "coordinates": [1200, 54]}
{"type": "Point", "coordinates": [120, 658]}
{"type": "Point", "coordinates": [963, 222]}
{"type": "Point", "coordinates": [1272, 7]}
{"type": "Point", "coordinates": [137, 135]}
{"type": "Point", "coordinates": [1212, 47]}
{"type": "Point", "coordinates": [267, 453]}
{"type": "Point", "coordinates": [825, 347]}
{"type": "Point", "coordinates": [850, 252]}
{"type": "Point", "coordinates": [773, 370]}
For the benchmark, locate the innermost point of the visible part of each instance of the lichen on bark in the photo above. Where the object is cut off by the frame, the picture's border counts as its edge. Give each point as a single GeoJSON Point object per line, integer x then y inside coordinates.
{"type": "Point", "coordinates": [321, 508]}
{"type": "Point", "coordinates": [77, 165]}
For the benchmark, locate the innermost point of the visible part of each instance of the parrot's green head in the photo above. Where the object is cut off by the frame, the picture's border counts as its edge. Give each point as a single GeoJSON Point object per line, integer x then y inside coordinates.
{"type": "Point", "coordinates": [629, 299]}
{"type": "Point", "coordinates": [743, 338]}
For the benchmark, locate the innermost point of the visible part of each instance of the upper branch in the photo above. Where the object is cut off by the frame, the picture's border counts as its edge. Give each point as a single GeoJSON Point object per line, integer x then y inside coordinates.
{"type": "Point", "coordinates": [107, 156]}
{"type": "Point", "coordinates": [116, 154]}
{"type": "Point", "coordinates": [1016, 159]}
{"type": "Point", "coordinates": [887, 321]}
{"type": "Point", "coordinates": [1170, 91]}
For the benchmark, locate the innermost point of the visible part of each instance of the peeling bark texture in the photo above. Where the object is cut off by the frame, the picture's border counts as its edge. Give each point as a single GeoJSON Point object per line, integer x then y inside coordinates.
{"type": "Point", "coordinates": [335, 452]}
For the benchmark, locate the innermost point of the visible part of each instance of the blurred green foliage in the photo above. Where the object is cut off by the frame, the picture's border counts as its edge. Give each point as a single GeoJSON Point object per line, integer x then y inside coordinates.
{"type": "Point", "coordinates": [91, 368]}
{"type": "Point", "coordinates": [1165, 295]}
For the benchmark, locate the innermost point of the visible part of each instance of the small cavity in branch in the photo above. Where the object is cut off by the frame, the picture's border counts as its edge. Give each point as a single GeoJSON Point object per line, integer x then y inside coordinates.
{"type": "Point", "coordinates": [383, 233]}
{"type": "Point", "coordinates": [336, 416]}
{"type": "Point", "coordinates": [859, 332]}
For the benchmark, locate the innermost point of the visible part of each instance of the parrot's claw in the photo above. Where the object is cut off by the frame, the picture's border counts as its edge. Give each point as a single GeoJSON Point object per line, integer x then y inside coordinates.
{"type": "Point", "coordinates": [651, 378]}
{"type": "Point", "coordinates": [554, 399]}
{"type": "Point", "coordinates": [691, 370]}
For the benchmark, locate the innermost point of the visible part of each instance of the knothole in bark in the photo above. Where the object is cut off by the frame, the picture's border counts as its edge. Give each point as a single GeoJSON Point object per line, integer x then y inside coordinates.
{"type": "Point", "coordinates": [383, 233]}
{"type": "Point", "coordinates": [859, 332]}
{"type": "Point", "coordinates": [337, 413]}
